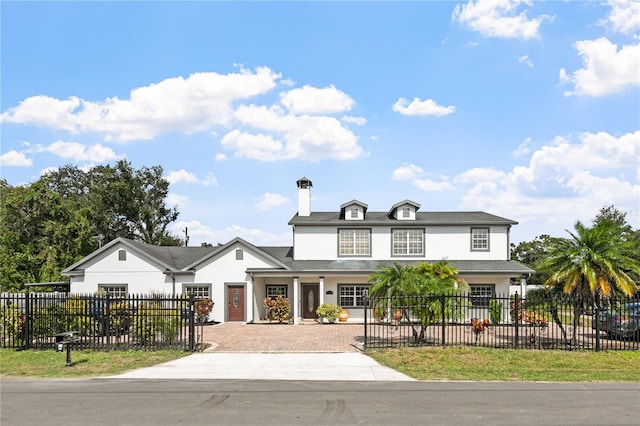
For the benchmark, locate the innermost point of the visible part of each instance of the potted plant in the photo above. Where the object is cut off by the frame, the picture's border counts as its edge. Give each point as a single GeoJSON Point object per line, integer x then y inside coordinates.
{"type": "Point", "coordinates": [328, 311]}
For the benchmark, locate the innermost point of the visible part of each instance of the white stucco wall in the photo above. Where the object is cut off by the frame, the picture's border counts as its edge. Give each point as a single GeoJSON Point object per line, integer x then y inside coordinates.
{"type": "Point", "coordinates": [450, 242]}
{"type": "Point", "coordinates": [136, 272]}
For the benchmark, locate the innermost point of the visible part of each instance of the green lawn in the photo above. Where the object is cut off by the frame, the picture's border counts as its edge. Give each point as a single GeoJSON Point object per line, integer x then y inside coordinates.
{"type": "Point", "coordinates": [48, 363]}
{"type": "Point", "coordinates": [482, 364]}
{"type": "Point", "coordinates": [476, 364]}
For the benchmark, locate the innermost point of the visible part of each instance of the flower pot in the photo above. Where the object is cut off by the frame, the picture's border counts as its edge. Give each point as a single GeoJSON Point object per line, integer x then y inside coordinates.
{"type": "Point", "coordinates": [344, 315]}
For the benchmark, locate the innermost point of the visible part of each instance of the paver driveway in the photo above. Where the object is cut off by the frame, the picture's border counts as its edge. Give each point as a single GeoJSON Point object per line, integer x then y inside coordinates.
{"type": "Point", "coordinates": [311, 337]}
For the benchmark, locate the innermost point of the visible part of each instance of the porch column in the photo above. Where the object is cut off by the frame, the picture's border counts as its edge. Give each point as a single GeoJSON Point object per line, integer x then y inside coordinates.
{"type": "Point", "coordinates": [249, 297]}
{"type": "Point", "coordinates": [296, 300]}
{"type": "Point", "coordinates": [321, 291]}
{"type": "Point", "coordinates": [523, 286]}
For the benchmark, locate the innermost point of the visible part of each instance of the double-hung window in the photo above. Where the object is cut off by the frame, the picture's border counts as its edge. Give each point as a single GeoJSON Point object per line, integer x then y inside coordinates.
{"type": "Point", "coordinates": [199, 291]}
{"type": "Point", "coordinates": [116, 291]}
{"type": "Point", "coordinates": [352, 295]}
{"type": "Point", "coordinates": [479, 239]}
{"type": "Point", "coordinates": [354, 242]}
{"type": "Point", "coordinates": [481, 294]}
{"type": "Point", "coordinates": [408, 242]}
{"type": "Point", "coordinates": [274, 291]}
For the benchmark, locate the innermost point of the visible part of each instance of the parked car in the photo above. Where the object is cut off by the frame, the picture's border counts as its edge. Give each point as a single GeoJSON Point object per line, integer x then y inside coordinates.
{"type": "Point", "coordinates": [622, 324]}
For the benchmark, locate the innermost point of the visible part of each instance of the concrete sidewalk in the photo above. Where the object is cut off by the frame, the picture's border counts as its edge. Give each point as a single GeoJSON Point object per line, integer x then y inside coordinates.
{"type": "Point", "coordinates": [349, 366]}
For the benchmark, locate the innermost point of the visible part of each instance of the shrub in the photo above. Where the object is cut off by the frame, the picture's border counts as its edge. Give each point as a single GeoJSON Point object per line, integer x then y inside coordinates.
{"type": "Point", "coordinates": [278, 309]}
{"type": "Point", "coordinates": [328, 311]}
{"type": "Point", "coordinates": [495, 311]}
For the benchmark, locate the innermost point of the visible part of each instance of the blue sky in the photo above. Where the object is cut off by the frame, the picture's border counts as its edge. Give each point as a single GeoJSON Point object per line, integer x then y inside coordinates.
{"type": "Point", "coordinates": [525, 109]}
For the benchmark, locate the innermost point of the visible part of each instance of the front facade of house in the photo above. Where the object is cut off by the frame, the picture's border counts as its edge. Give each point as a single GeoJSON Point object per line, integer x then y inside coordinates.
{"type": "Point", "coordinates": [332, 256]}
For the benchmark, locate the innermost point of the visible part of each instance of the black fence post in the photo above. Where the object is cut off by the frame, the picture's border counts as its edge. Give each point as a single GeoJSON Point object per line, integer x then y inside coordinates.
{"type": "Point", "coordinates": [366, 308]}
{"type": "Point", "coordinates": [596, 318]}
{"type": "Point", "coordinates": [27, 320]}
{"type": "Point", "coordinates": [192, 323]}
{"type": "Point", "coordinates": [442, 331]}
{"type": "Point", "coordinates": [516, 308]}
{"type": "Point", "coordinates": [107, 321]}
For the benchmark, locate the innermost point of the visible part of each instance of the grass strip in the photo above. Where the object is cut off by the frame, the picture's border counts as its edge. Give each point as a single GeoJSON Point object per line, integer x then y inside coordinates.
{"type": "Point", "coordinates": [485, 364]}
{"type": "Point", "coordinates": [51, 364]}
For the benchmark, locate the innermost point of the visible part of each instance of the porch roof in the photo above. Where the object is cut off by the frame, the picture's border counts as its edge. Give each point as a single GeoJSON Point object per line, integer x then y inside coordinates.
{"type": "Point", "coordinates": [367, 266]}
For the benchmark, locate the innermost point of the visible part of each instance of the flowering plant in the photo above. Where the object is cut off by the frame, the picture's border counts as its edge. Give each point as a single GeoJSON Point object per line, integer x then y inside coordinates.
{"type": "Point", "coordinates": [478, 327]}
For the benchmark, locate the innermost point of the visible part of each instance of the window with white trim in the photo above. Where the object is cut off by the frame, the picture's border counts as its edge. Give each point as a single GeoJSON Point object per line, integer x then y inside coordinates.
{"type": "Point", "coordinates": [408, 242]}
{"type": "Point", "coordinates": [118, 291]}
{"type": "Point", "coordinates": [354, 213]}
{"type": "Point", "coordinates": [122, 255]}
{"type": "Point", "coordinates": [274, 291]}
{"type": "Point", "coordinates": [199, 291]}
{"type": "Point", "coordinates": [406, 212]}
{"type": "Point", "coordinates": [479, 239]}
{"type": "Point", "coordinates": [481, 294]}
{"type": "Point", "coordinates": [354, 242]}
{"type": "Point", "coordinates": [352, 295]}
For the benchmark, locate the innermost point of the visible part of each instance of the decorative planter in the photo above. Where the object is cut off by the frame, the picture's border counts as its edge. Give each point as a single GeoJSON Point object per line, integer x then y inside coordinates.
{"type": "Point", "coordinates": [344, 315]}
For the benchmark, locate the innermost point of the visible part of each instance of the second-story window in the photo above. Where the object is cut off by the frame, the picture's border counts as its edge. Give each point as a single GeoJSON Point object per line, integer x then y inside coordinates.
{"type": "Point", "coordinates": [408, 242]}
{"type": "Point", "coordinates": [479, 239]}
{"type": "Point", "coordinates": [354, 242]}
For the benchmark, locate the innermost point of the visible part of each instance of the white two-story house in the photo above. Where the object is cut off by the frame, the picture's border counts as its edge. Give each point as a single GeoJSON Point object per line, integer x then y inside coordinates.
{"type": "Point", "coordinates": [332, 256]}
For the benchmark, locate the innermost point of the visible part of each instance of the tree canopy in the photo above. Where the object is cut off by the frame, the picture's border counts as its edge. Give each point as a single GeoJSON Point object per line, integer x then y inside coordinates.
{"type": "Point", "coordinates": [53, 222]}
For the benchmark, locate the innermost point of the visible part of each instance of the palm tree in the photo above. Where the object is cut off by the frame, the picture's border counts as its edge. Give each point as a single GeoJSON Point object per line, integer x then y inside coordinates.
{"type": "Point", "coordinates": [594, 262]}
{"type": "Point", "coordinates": [412, 289]}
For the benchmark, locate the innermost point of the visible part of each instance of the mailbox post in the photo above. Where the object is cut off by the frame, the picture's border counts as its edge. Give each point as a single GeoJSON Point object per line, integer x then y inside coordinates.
{"type": "Point", "coordinates": [64, 340]}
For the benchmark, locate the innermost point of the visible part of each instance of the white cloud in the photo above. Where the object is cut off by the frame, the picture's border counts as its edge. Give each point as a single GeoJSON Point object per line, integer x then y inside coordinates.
{"type": "Point", "coordinates": [312, 100]}
{"type": "Point", "coordinates": [418, 107]}
{"type": "Point", "coordinates": [498, 18]}
{"type": "Point", "coordinates": [15, 159]}
{"type": "Point", "coordinates": [414, 174]}
{"type": "Point", "coordinates": [407, 172]}
{"type": "Point", "coordinates": [183, 176]}
{"type": "Point", "coordinates": [522, 149]}
{"type": "Point", "coordinates": [80, 152]}
{"type": "Point", "coordinates": [221, 157]}
{"type": "Point", "coordinates": [179, 104]}
{"type": "Point", "coordinates": [360, 121]}
{"type": "Point", "coordinates": [525, 60]}
{"type": "Point", "coordinates": [563, 180]}
{"type": "Point", "coordinates": [269, 200]}
{"type": "Point", "coordinates": [624, 16]}
{"type": "Point", "coordinates": [283, 136]}
{"type": "Point", "coordinates": [607, 70]}
{"type": "Point", "coordinates": [177, 200]}
{"type": "Point", "coordinates": [199, 233]}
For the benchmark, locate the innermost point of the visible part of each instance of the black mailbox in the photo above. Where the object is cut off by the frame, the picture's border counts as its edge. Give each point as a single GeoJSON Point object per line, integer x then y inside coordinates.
{"type": "Point", "coordinates": [64, 340]}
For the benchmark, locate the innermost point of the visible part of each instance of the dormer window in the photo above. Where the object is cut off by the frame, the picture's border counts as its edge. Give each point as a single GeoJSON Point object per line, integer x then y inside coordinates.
{"type": "Point", "coordinates": [353, 210]}
{"type": "Point", "coordinates": [404, 210]}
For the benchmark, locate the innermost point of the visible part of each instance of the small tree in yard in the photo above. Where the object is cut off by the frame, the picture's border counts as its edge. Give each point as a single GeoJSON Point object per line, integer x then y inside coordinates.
{"type": "Point", "coordinates": [414, 290]}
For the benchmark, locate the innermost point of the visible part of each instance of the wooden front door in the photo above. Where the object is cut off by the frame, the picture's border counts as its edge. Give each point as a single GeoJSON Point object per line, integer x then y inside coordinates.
{"type": "Point", "coordinates": [235, 303]}
{"type": "Point", "coordinates": [310, 300]}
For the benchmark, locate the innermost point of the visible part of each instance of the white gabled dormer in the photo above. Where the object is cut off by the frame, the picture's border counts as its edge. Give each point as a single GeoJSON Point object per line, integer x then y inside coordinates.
{"type": "Point", "coordinates": [404, 210]}
{"type": "Point", "coordinates": [353, 210]}
{"type": "Point", "coordinates": [304, 196]}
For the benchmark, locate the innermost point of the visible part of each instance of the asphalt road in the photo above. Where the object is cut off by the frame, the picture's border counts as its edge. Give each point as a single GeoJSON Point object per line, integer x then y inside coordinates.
{"type": "Point", "coordinates": [246, 402]}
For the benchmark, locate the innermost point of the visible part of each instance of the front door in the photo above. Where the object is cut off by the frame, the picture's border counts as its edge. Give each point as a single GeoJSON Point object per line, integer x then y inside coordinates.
{"type": "Point", "coordinates": [235, 303]}
{"type": "Point", "coordinates": [310, 300]}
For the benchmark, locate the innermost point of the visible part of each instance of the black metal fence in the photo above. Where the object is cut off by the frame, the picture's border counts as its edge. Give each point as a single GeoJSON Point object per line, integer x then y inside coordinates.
{"type": "Point", "coordinates": [149, 322]}
{"type": "Point", "coordinates": [541, 321]}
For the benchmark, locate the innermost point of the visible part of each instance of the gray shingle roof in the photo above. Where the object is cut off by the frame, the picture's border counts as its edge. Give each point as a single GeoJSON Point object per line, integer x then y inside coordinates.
{"type": "Point", "coordinates": [422, 218]}
{"type": "Point", "coordinates": [284, 255]}
{"type": "Point", "coordinates": [177, 257]}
